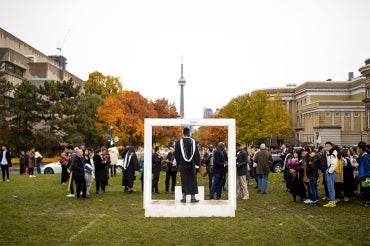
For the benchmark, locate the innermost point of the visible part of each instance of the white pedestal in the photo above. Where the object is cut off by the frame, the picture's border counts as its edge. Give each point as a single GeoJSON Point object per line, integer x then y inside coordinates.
{"type": "Point", "coordinates": [199, 196]}
{"type": "Point", "coordinates": [205, 208]}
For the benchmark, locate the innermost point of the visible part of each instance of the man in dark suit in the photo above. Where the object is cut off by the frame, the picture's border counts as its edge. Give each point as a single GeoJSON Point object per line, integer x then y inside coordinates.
{"type": "Point", "coordinates": [5, 161]}
{"type": "Point", "coordinates": [187, 157]}
{"type": "Point", "coordinates": [78, 170]}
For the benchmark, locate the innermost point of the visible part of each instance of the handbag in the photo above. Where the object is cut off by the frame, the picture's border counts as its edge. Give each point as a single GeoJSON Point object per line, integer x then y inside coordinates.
{"type": "Point", "coordinates": [202, 170]}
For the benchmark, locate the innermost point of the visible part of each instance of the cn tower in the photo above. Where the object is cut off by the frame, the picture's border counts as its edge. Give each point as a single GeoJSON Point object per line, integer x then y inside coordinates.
{"type": "Point", "coordinates": [182, 83]}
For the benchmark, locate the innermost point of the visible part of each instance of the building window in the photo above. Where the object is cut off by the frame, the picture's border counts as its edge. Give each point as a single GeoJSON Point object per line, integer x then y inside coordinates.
{"type": "Point", "coordinates": [368, 93]}
{"type": "Point", "coordinates": [337, 114]}
{"type": "Point", "coordinates": [356, 115]}
{"type": "Point", "coordinates": [368, 118]}
{"type": "Point", "coordinates": [346, 115]}
{"type": "Point", "coordinates": [327, 114]}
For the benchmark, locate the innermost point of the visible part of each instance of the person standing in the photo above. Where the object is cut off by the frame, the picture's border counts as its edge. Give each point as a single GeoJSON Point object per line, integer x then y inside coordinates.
{"type": "Point", "coordinates": [208, 161]}
{"type": "Point", "coordinates": [171, 170]}
{"type": "Point", "coordinates": [64, 161]}
{"type": "Point", "coordinates": [38, 158]}
{"type": "Point", "coordinates": [331, 158]}
{"type": "Point", "coordinates": [187, 157]}
{"type": "Point", "coordinates": [156, 168]}
{"type": "Point", "coordinates": [364, 172]}
{"type": "Point", "coordinates": [219, 170]}
{"type": "Point", "coordinates": [262, 158]}
{"type": "Point", "coordinates": [5, 161]}
{"type": "Point", "coordinates": [312, 173]}
{"type": "Point", "coordinates": [22, 163]}
{"type": "Point", "coordinates": [130, 165]}
{"type": "Point", "coordinates": [242, 172]}
{"type": "Point", "coordinates": [78, 171]}
{"type": "Point", "coordinates": [113, 153]}
{"type": "Point", "coordinates": [100, 174]}
{"type": "Point", "coordinates": [31, 163]}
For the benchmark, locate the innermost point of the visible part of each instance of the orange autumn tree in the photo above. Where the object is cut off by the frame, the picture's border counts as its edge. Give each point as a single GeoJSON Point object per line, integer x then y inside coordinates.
{"type": "Point", "coordinates": [164, 135]}
{"type": "Point", "coordinates": [124, 114]}
{"type": "Point", "coordinates": [211, 134]}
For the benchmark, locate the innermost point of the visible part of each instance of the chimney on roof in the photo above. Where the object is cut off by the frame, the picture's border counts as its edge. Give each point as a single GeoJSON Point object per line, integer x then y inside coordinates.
{"type": "Point", "coordinates": [350, 76]}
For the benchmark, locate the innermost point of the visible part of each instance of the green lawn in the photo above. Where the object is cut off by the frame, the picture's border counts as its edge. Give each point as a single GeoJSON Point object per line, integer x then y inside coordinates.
{"type": "Point", "coordinates": [36, 211]}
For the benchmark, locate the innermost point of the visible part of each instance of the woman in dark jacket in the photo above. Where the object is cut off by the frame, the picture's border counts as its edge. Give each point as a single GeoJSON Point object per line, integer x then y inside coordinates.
{"type": "Point", "coordinates": [312, 172]}
{"type": "Point", "coordinates": [100, 174]}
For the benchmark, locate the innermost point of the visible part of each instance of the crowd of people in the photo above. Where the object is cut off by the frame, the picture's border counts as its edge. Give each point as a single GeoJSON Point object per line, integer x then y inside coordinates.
{"type": "Point", "coordinates": [345, 172]}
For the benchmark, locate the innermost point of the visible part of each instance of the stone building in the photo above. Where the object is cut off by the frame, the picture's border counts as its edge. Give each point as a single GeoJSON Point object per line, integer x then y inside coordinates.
{"type": "Point", "coordinates": [21, 62]}
{"type": "Point", "coordinates": [336, 111]}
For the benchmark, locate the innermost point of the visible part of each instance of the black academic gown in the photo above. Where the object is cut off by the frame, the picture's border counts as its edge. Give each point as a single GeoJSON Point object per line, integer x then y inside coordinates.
{"type": "Point", "coordinates": [187, 169]}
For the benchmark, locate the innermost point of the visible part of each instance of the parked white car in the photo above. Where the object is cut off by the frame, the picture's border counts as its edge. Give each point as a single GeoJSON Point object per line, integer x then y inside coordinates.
{"type": "Point", "coordinates": [51, 168]}
{"type": "Point", "coordinates": [56, 167]}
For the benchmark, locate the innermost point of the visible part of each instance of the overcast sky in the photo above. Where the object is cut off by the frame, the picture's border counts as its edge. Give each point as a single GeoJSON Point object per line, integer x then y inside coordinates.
{"type": "Point", "coordinates": [229, 47]}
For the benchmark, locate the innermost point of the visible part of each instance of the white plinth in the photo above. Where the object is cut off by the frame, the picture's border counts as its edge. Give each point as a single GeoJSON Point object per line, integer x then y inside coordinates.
{"type": "Point", "coordinates": [199, 196]}
{"type": "Point", "coordinates": [205, 208]}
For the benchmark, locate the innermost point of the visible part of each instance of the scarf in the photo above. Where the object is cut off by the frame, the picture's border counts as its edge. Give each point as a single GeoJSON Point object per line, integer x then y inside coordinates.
{"type": "Point", "coordinates": [183, 152]}
{"type": "Point", "coordinates": [127, 163]}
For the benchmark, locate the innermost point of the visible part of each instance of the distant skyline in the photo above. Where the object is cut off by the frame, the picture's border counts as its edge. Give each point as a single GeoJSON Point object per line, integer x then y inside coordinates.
{"type": "Point", "coordinates": [229, 47]}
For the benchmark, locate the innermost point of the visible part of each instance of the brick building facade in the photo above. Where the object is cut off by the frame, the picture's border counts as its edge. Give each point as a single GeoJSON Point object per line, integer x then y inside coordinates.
{"type": "Point", "coordinates": [336, 111]}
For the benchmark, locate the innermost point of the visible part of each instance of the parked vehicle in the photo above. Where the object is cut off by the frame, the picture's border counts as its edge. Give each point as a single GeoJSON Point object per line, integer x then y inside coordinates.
{"type": "Point", "coordinates": [51, 168]}
{"type": "Point", "coordinates": [277, 164]}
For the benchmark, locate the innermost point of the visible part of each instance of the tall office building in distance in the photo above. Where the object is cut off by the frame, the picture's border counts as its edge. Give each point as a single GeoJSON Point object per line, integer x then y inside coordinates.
{"type": "Point", "coordinates": [182, 83]}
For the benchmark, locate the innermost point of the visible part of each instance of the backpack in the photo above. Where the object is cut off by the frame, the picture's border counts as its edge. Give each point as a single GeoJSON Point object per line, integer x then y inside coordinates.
{"type": "Point", "coordinates": [322, 163]}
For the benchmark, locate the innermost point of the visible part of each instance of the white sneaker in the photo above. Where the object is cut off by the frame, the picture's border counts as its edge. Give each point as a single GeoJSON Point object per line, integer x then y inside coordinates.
{"type": "Point", "coordinates": [307, 201]}
{"type": "Point", "coordinates": [70, 195]}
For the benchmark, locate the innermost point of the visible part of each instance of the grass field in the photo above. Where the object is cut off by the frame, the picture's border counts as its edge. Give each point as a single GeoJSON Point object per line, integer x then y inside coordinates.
{"type": "Point", "coordinates": [36, 211]}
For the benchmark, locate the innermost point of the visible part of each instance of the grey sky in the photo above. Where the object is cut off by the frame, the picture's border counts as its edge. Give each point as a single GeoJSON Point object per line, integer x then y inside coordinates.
{"type": "Point", "coordinates": [230, 47]}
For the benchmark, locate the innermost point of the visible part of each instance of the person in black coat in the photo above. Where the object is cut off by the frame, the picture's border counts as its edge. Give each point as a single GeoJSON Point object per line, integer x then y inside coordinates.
{"type": "Point", "coordinates": [171, 170]}
{"type": "Point", "coordinates": [187, 156]}
{"type": "Point", "coordinates": [219, 170]}
{"type": "Point", "coordinates": [156, 168]}
{"type": "Point", "coordinates": [78, 171]}
{"type": "Point", "coordinates": [100, 174]}
{"type": "Point", "coordinates": [130, 165]}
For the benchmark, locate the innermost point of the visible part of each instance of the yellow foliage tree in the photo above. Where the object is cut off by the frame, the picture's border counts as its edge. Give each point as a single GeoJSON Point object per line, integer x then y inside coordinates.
{"type": "Point", "coordinates": [104, 85]}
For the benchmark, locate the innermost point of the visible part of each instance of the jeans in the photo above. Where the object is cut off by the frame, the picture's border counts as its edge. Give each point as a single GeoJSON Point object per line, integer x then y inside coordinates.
{"type": "Point", "coordinates": [313, 189]}
{"type": "Point", "coordinates": [38, 167]}
{"type": "Point", "coordinates": [262, 182]}
{"type": "Point", "coordinates": [217, 185]}
{"type": "Point", "coordinates": [330, 180]}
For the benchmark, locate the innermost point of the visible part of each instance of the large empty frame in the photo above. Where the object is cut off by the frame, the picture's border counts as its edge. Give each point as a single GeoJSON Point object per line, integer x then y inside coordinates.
{"type": "Point", "coordinates": [174, 208]}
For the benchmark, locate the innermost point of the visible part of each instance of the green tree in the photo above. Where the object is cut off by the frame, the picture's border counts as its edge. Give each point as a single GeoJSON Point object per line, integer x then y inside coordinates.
{"type": "Point", "coordinates": [60, 104]}
{"type": "Point", "coordinates": [27, 113]}
{"type": "Point", "coordinates": [6, 89]}
{"type": "Point", "coordinates": [87, 118]}
{"type": "Point", "coordinates": [103, 85]}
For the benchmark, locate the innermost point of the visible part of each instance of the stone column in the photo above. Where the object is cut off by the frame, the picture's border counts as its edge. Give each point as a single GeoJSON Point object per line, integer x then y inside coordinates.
{"type": "Point", "coordinates": [365, 71]}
